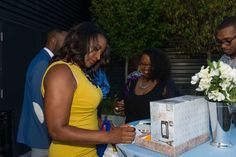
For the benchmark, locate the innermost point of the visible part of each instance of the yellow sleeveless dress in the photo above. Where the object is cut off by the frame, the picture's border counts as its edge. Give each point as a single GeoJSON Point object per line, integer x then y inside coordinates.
{"type": "Point", "coordinates": [83, 114]}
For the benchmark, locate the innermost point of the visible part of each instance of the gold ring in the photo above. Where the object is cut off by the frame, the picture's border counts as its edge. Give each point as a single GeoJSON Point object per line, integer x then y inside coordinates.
{"type": "Point", "coordinates": [117, 108]}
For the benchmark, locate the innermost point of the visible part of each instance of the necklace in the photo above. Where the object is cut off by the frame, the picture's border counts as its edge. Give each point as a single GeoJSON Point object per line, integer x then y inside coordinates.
{"type": "Point", "coordinates": [142, 85]}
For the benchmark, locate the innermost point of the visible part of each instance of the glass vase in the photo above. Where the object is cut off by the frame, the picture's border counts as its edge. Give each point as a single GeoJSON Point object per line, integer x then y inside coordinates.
{"type": "Point", "coordinates": [221, 123]}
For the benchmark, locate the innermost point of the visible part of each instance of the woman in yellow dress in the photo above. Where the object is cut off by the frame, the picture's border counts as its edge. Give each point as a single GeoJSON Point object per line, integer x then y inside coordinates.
{"type": "Point", "coordinates": [71, 99]}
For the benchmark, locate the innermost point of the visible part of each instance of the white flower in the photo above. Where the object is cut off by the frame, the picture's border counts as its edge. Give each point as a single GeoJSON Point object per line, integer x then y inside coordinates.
{"type": "Point", "coordinates": [225, 84]}
{"type": "Point", "coordinates": [194, 79]}
{"type": "Point", "coordinates": [216, 81]}
{"type": "Point", "coordinates": [203, 74]}
{"type": "Point", "coordinates": [216, 96]}
{"type": "Point", "coordinates": [215, 64]}
{"type": "Point", "coordinates": [225, 70]}
{"type": "Point", "coordinates": [214, 71]}
{"type": "Point", "coordinates": [204, 84]}
{"type": "Point", "coordinates": [233, 75]}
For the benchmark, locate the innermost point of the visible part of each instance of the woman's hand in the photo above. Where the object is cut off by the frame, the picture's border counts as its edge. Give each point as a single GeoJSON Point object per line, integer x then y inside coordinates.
{"type": "Point", "coordinates": [119, 108]}
{"type": "Point", "coordinates": [123, 134]}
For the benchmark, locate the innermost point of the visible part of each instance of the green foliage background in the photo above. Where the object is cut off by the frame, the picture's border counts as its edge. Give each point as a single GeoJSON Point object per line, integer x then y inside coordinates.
{"type": "Point", "coordinates": [188, 25]}
{"type": "Point", "coordinates": [131, 25]}
{"type": "Point", "coordinates": [193, 22]}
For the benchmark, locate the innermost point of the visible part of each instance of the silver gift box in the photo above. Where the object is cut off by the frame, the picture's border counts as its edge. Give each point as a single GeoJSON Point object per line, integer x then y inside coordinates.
{"type": "Point", "coordinates": [177, 124]}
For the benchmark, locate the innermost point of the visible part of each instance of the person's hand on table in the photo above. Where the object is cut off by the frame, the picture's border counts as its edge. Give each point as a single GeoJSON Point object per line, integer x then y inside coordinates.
{"type": "Point", "coordinates": [123, 134]}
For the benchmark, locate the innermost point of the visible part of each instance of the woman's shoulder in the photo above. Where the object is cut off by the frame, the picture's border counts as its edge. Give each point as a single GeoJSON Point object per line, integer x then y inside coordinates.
{"type": "Point", "coordinates": [58, 66]}
{"type": "Point", "coordinates": [59, 71]}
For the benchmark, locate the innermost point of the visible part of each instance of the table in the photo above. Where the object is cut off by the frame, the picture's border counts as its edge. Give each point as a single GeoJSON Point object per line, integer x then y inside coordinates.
{"type": "Point", "coordinates": [203, 150]}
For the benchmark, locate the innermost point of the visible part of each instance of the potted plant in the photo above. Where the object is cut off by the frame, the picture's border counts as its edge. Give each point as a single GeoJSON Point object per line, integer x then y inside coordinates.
{"type": "Point", "coordinates": [218, 83]}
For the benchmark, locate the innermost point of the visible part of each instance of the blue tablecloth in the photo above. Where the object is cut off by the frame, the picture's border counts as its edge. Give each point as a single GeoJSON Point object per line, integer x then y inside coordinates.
{"type": "Point", "coordinates": [203, 150]}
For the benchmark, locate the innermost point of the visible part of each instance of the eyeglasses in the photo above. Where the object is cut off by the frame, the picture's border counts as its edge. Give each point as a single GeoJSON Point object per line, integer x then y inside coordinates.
{"type": "Point", "coordinates": [226, 42]}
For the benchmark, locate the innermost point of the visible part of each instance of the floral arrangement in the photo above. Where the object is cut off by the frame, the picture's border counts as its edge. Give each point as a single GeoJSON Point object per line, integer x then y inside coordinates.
{"type": "Point", "coordinates": [217, 81]}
